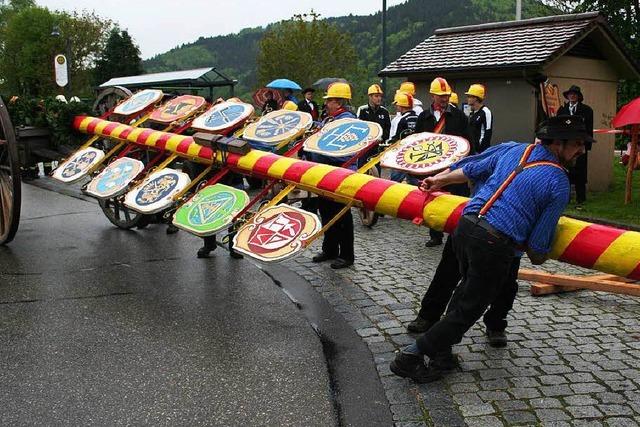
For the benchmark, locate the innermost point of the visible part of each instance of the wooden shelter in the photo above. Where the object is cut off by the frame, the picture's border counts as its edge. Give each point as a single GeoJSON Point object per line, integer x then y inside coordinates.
{"type": "Point", "coordinates": [512, 58]}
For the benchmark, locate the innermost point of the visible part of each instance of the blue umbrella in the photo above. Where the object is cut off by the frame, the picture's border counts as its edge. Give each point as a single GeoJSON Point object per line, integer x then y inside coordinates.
{"type": "Point", "coordinates": [284, 84]}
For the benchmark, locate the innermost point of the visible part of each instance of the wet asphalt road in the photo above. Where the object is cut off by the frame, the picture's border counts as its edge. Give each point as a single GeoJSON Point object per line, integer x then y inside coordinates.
{"type": "Point", "coordinates": [100, 326]}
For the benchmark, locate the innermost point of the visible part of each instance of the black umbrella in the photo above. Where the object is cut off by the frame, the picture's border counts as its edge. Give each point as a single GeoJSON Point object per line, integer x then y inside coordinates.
{"type": "Point", "coordinates": [325, 82]}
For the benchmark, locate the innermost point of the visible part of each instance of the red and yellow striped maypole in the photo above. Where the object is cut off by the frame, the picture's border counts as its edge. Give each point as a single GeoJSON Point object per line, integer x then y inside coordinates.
{"type": "Point", "coordinates": [599, 247]}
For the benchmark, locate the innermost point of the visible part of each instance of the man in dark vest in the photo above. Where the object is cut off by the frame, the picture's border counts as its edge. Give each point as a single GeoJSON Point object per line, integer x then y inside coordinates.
{"type": "Point", "coordinates": [575, 107]}
{"type": "Point", "coordinates": [308, 105]}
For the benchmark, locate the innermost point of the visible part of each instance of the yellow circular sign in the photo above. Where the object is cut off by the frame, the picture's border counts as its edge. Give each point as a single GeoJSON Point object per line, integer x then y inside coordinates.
{"type": "Point", "coordinates": [60, 59]}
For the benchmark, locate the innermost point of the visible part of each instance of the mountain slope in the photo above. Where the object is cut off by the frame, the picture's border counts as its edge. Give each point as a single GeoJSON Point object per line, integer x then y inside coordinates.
{"type": "Point", "coordinates": [407, 24]}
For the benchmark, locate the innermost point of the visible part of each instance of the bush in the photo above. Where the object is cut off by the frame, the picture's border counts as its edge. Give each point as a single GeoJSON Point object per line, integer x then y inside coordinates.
{"type": "Point", "coordinates": [49, 113]}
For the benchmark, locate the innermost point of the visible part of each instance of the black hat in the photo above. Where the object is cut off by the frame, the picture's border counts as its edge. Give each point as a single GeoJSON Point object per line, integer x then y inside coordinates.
{"type": "Point", "coordinates": [308, 89]}
{"type": "Point", "coordinates": [564, 127]}
{"type": "Point", "coordinates": [575, 89]}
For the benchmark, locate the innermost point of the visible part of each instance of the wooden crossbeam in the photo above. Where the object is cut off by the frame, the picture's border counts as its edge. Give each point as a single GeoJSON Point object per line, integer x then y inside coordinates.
{"type": "Point", "coordinates": [547, 283]}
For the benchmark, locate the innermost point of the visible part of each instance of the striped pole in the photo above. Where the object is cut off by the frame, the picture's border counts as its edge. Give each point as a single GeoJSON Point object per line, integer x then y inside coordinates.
{"type": "Point", "coordinates": [599, 247]}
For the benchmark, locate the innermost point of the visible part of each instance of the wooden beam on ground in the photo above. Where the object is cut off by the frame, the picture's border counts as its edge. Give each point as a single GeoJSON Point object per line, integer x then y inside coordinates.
{"type": "Point", "coordinates": [594, 283]}
{"type": "Point", "coordinates": [539, 289]}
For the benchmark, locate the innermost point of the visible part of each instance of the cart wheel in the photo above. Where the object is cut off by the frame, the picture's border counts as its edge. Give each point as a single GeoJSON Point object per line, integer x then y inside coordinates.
{"type": "Point", "coordinates": [10, 196]}
{"type": "Point", "coordinates": [120, 215]}
{"type": "Point", "coordinates": [109, 98]}
{"type": "Point", "coordinates": [367, 217]}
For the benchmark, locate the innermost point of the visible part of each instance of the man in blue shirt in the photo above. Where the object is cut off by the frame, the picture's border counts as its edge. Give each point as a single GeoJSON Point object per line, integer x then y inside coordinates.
{"type": "Point", "coordinates": [447, 276]}
{"type": "Point", "coordinates": [525, 193]}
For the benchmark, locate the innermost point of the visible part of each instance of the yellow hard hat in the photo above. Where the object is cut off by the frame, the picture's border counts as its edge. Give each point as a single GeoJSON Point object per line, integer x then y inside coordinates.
{"type": "Point", "coordinates": [439, 86]}
{"type": "Point", "coordinates": [454, 98]}
{"type": "Point", "coordinates": [408, 87]}
{"type": "Point", "coordinates": [403, 99]}
{"type": "Point", "coordinates": [476, 90]}
{"type": "Point", "coordinates": [374, 89]}
{"type": "Point", "coordinates": [290, 105]}
{"type": "Point", "coordinates": [338, 90]}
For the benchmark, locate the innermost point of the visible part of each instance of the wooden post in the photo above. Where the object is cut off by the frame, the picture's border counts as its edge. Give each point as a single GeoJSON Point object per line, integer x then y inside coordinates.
{"type": "Point", "coordinates": [633, 152]}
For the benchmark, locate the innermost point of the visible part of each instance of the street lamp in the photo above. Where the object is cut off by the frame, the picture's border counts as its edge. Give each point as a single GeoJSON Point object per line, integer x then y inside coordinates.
{"type": "Point", "coordinates": [55, 32]}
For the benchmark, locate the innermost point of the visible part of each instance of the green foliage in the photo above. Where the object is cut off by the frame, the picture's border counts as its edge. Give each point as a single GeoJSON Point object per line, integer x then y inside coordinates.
{"type": "Point", "coordinates": [28, 47]}
{"type": "Point", "coordinates": [120, 57]}
{"type": "Point", "coordinates": [305, 49]}
{"type": "Point", "coordinates": [50, 113]}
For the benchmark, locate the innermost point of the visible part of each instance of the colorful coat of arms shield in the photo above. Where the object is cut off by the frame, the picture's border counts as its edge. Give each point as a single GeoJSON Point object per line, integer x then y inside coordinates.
{"type": "Point", "coordinates": [178, 108]}
{"type": "Point", "coordinates": [223, 117]}
{"type": "Point", "coordinates": [278, 126]}
{"type": "Point", "coordinates": [343, 137]}
{"type": "Point", "coordinates": [276, 233]}
{"type": "Point", "coordinates": [425, 153]}
{"type": "Point", "coordinates": [115, 178]}
{"type": "Point", "coordinates": [138, 102]}
{"type": "Point", "coordinates": [78, 165]}
{"type": "Point", "coordinates": [212, 209]}
{"type": "Point", "coordinates": [156, 192]}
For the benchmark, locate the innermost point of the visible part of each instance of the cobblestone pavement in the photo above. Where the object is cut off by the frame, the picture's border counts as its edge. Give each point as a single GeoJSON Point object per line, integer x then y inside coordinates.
{"type": "Point", "coordinates": [572, 359]}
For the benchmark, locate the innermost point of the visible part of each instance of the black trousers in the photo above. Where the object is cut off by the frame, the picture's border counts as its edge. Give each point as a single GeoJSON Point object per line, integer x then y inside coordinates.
{"type": "Point", "coordinates": [485, 261]}
{"type": "Point", "coordinates": [578, 176]}
{"type": "Point", "coordinates": [445, 281]}
{"type": "Point", "coordinates": [338, 239]}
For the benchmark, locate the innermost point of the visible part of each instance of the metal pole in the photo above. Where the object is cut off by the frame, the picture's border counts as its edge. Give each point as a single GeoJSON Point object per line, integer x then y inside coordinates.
{"type": "Point", "coordinates": [518, 10]}
{"type": "Point", "coordinates": [384, 45]}
{"type": "Point", "coordinates": [67, 88]}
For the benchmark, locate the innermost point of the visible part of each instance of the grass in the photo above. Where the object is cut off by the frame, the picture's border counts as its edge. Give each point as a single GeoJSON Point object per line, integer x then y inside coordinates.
{"type": "Point", "coordinates": [609, 206]}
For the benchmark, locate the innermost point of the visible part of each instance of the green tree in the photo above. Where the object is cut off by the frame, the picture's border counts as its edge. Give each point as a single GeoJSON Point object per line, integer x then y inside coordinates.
{"type": "Point", "coordinates": [28, 48]}
{"type": "Point", "coordinates": [121, 57]}
{"type": "Point", "coordinates": [305, 49]}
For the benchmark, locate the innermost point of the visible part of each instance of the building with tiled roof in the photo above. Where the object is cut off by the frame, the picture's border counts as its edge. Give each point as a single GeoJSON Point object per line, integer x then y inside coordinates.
{"type": "Point", "coordinates": [512, 58]}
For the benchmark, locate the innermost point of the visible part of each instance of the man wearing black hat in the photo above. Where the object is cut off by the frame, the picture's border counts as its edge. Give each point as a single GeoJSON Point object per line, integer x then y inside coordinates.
{"type": "Point", "coordinates": [308, 105]}
{"type": "Point", "coordinates": [516, 209]}
{"type": "Point", "coordinates": [575, 107]}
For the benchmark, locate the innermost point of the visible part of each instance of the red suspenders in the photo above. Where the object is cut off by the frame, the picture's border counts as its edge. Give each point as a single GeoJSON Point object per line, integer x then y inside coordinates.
{"type": "Point", "coordinates": [522, 165]}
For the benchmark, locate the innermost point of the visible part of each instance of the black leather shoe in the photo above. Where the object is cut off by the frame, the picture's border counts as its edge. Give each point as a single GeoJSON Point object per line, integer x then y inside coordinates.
{"type": "Point", "coordinates": [497, 339]}
{"type": "Point", "coordinates": [321, 257]}
{"type": "Point", "coordinates": [235, 255]}
{"type": "Point", "coordinates": [412, 366]}
{"type": "Point", "coordinates": [420, 325]}
{"type": "Point", "coordinates": [445, 361]}
{"type": "Point", "coordinates": [204, 251]}
{"type": "Point", "coordinates": [432, 243]}
{"type": "Point", "coordinates": [172, 229]}
{"type": "Point", "coordinates": [341, 263]}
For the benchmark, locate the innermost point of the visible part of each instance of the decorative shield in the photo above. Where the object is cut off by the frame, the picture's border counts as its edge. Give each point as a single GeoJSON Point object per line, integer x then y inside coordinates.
{"type": "Point", "coordinates": [115, 178]}
{"type": "Point", "coordinates": [223, 117]}
{"type": "Point", "coordinates": [156, 191]}
{"type": "Point", "coordinates": [138, 102]}
{"type": "Point", "coordinates": [78, 165]}
{"type": "Point", "coordinates": [343, 137]}
{"type": "Point", "coordinates": [177, 108]}
{"type": "Point", "coordinates": [278, 126]}
{"type": "Point", "coordinates": [276, 233]}
{"type": "Point", "coordinates": [425, 153]}
{"type": "Point", "coordinates": [210, 210]}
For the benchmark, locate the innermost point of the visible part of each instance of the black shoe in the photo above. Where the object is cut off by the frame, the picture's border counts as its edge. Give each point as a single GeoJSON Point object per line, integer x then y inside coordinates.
{"type": "Point", "coordinates": [235, 255]}
{"type": "Point", "coordinates": [341, 263]}
{"type": "Point", "coordinates": [445, 361]}
{"type": "Point", "coordinates": [172, 229]}
{"type": "Point", "coordinates": [204, 251]}
{"type": "Point", "coordinates": [497, 339]}
{"type": "Point", "coordinates": [432, 243]}
{"type": "Point", "coordinates": [321, 257]}
{"type": "Point", "coordinates": [420, 325]}
{"type": "Point", "coordinates": [412, 366]}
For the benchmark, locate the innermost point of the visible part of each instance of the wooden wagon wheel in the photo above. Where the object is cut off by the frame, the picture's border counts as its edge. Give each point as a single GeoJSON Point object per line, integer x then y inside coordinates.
{"type": "Point", "coordinates": [120, 215]}
{"type": "Point", "coordinates": [109, 98]}
{"type": "Point", "coordinates": [10, 196]}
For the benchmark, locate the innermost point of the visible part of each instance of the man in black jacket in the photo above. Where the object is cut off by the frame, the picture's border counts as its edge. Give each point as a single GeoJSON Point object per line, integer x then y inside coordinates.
{"type": "Point", "coordinates": [442, 117]}
{"type": "Point", "coordinates": [480, 120]}
{"type": "Point", "coordinates": [575, 107]}
{"type": "Point", "coordinates": [374, 111]}
{"type": "Point", "coordinates": [308, 105]}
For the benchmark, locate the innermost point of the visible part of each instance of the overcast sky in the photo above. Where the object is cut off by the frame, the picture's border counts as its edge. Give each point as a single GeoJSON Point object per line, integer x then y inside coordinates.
{"type": "Point", "coordinates": [159, 25]}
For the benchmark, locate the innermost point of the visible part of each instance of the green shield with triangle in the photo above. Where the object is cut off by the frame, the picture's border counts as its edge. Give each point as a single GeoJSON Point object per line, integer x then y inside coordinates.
{"type": "Point", "coordinates": [210, 210]}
